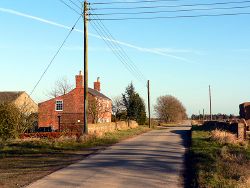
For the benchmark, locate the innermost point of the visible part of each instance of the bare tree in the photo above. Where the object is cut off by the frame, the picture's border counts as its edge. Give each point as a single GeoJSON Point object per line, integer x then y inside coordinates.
{"type": "Point", "coordinates": [61, 87]}
{"type": "Point", "coordinates": [98, 108]}
{"type": "Point", "coordinates": [170, 109]}
{"type": "Point", "coordinates": [117, 106]}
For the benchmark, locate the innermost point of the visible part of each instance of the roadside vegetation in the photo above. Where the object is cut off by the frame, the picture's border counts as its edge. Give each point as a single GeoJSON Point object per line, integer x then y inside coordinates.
{"type": "Point", "coordinates": [24, 161]}
{"type": "Point", "coordinates": [218, 159]}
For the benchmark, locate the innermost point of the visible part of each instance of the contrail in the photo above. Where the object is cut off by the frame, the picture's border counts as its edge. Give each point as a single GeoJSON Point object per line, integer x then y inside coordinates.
{"type": "Point", "coordinates": [153, 51]}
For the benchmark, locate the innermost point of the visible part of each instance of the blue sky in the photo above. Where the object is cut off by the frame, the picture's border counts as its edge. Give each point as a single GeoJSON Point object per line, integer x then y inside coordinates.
{"type": "Point", "coordinates": [180, 57]}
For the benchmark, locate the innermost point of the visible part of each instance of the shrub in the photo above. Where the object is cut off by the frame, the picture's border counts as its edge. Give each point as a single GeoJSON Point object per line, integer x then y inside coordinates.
{"type": "Point", "coordinates": [9, 121]}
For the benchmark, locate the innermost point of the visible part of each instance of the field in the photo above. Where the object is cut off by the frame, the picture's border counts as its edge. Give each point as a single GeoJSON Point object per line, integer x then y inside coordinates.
{"type": "Point", "coordinates": [22, 162]}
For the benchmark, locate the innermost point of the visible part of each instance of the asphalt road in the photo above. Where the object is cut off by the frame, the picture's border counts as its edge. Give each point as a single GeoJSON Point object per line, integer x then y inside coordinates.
{"type": "Point", "coordinates": [154, 159]}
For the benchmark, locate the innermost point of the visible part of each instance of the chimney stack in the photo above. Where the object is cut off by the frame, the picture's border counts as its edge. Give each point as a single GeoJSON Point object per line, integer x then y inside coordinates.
{"type": "Point", "coordinates": [79, 80]}
{"type": "Point", "coordinates": [97, 85]}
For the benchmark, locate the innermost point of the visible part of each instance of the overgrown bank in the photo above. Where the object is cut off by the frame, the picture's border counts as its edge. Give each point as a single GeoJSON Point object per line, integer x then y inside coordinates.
{"type": "Point", "coordinates": [216, 159]}
{"type": "Point", "coordinates": [22, 162]}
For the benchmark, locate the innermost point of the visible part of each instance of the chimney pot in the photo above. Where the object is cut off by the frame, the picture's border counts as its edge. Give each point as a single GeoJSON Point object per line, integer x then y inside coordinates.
{"type": "Point", "coordinates": [97, 85]}
{"type": "Point", "coordinates": [79, 80]}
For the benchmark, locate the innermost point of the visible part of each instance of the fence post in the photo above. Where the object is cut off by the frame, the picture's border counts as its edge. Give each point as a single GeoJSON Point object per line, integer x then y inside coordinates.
{"type": "Point", "coordinates": [241, 131]}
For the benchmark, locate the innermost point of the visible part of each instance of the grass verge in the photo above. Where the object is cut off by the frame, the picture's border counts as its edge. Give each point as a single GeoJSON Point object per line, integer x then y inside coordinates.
{"type": "Point", "coordinates": [217, 164]}
{"type": "Point", "coordinates": [22, 162]}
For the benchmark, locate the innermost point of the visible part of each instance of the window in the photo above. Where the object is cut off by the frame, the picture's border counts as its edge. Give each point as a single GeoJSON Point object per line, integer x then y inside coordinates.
{"type": "Point", "coordinates": [59, 105]}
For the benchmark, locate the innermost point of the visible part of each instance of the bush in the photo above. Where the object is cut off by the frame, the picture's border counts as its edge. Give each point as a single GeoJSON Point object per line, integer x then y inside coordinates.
{"type": "Point", "coordinates": [9, 121]}
{"type": "Point", "coordinates": [13, 121]}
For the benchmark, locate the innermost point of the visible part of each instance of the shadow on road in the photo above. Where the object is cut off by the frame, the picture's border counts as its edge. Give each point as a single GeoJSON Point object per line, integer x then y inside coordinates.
{"type": "Point", "coordinates": [186, 140]}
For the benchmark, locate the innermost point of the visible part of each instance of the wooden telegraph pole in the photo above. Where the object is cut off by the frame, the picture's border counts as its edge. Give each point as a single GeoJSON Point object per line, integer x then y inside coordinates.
{"type": "Point", "coordinates": [85, 20]}
{"type": "Point", "coordinates": [210, 103]}
{"type": "Point", "coordinates": [149, 113]}
{"type": "Point", "coordinates": [203, 118]}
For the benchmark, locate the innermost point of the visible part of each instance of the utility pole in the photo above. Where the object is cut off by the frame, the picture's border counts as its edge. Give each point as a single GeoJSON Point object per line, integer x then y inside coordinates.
{"type": "Point", "coordinates": [149, 114]}
{"type": "Point", "coordinates": [199, 115]}
{"type": "Point", "coordinates": [203, 115]}
{"type": "Point", "coordinates": [210, 103]}
{"type": "Point", "coordinates": [85, 42]}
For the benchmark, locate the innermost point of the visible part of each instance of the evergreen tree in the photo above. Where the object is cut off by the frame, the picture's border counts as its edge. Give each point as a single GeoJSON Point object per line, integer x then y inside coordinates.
{"type": "Point", "coordinates": [134, 105]}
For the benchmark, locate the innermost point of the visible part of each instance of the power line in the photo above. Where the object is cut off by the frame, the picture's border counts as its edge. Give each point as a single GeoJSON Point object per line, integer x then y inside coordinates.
{"type": "Point", "coordinates": [75, 4]}
{"type": "Point", "coordinates": [62, 1]}
{"type": "Point", "coordinates": [131, 68]}
{"type": "Point", "coordinates": [171, 11]}
{"type": "Point", "coordinates": [118, 54]}
{"type": "Point", "coordinates": [113, 49]}
{"type": "Point", "coordinates": [171, 6]}
{"type": "Point", "coordinates": [52, 60]}
{"type": "Point", "coordinates": [107, 32]}
{"type": "Point", "coordinates": [173, 17]}
{"type": "Point", "coordinates": [127, 2]}
{"type": "Point", "coordinates": [132, 64]}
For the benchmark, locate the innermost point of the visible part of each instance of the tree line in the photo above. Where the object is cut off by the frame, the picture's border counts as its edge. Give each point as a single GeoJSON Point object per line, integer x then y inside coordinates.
{"type": "Point", "coordinates": [131, 106]}
{"type": "Point", "coordinates": [218, 117]}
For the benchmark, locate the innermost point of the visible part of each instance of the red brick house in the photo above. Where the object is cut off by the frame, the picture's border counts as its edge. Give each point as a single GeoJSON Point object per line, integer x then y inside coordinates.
{"type": "Point", "coordinates": [66, 111]}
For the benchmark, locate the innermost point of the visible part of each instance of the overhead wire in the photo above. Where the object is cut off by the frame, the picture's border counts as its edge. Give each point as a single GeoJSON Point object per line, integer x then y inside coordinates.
{"type": "Point", "coordinates": [112, 45]}
{"type": "Point", "coordinates": [113, 49]}
{"type": "Point", "coordinates": [75, 4]}
{"type": "Point", "coordinates": [123, 52]}
{"type": "Point", "coordinates": [173, 17]}
{"type": "Point", "coordinates": [70, 7]}
{"type": "Point", "coordinates": [172, 11]}
{"type": "Point", "coordinates": [133, 2]}
{"type": "Point", "coordinates": [170, 6]}
{"type": "Point", "coordinates": [53, 58]}
{"type": "Point", "coordinates": [105, 34]}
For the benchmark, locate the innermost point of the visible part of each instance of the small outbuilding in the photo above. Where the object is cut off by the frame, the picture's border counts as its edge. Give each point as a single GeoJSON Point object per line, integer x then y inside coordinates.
{"type": "Point", "coordinates": [20, 99]}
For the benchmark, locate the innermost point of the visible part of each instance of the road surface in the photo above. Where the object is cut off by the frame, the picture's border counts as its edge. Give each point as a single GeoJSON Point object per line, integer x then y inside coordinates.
{"type": "Point", "coordinates": [154, 159]}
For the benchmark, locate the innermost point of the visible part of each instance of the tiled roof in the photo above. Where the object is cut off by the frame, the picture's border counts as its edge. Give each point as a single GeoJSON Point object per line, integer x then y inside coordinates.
{"type": "Point", "coordinates": [9, 96]}
{"type": "Point", "coordinates": [97, 93]}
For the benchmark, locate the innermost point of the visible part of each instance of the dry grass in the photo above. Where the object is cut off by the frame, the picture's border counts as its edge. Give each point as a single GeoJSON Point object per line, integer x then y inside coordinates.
{"type": "Point", "coordinates": [224, 137]}
{"type": "Point", "coordinates": [197, 122]}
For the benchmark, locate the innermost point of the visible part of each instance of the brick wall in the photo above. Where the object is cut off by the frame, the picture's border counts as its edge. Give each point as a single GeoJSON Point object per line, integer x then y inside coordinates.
{"type": "Point", "coordinates": [101, 128]}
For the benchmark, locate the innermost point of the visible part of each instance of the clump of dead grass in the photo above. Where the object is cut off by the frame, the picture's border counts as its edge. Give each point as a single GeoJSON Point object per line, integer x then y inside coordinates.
{"type": "Point", "coordinates": [224, 137]}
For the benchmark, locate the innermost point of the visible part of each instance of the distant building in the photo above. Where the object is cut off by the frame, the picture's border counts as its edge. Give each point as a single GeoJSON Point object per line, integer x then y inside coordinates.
{"type": "Point", "coordinates": [245, 111]}
{"type": "Point", "coordinates": [67, 110]}
{"type": "Point", "coordinates": [20, 99]}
